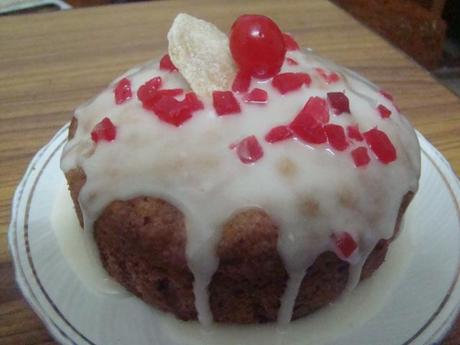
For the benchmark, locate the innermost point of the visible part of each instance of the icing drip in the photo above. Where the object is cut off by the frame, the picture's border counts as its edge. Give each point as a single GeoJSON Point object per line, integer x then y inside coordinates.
{"type": "Point", "coordinates": [310, 191]}
{"type": "Point", "coordinates": [203, 263]}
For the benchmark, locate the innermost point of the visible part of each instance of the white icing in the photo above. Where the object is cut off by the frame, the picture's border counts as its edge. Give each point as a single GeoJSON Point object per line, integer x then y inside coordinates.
{"type": "Point", "coordinates": [192, 167]}
{"type": "Point", "coordinates": [78, 249]}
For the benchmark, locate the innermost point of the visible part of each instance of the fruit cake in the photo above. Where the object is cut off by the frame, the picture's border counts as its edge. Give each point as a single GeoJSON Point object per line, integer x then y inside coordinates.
{"type": "Point", "coordinates": [240, 178]}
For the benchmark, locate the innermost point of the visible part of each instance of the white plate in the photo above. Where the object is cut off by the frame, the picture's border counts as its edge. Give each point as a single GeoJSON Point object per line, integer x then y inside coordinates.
{"type": "Point", "coordinates": [412, 299]}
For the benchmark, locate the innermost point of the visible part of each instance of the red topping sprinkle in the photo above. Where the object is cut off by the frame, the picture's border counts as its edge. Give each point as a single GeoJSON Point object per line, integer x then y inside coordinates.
{"type": "Point", "coordinates": [328, 77]}
{"type": "Point", "coordinates": [249, 150]}
{"type": "Point", "coordinates": [290, 42]}
{"type": "Point", "coordinates": [336, 137]}
{"type": "Point", "coordinates": [123, 91]}
{"type": "Point", "coordinates": [149, 97]}
{"type": "Point", "coordinates": [354, 133]}
{"type": "Point", "coordinates": [291, 61]}
{"type": "Point", "coordinates": [148, 89]}
{"type": "Point", "coordinates": [360, 156]}
{"type": "Point", "coordinates": [287, 82]}
{"type": "Point", "coordinates": [278, 134]}
{"type": "Point", "coordinates": [339, 102]}
{"type": "Point", "coordinates": [172, 111]}
{"type": "Point", "coordinates": [257, 45]}
{"type": "Point", "coordinates": [166, 64]}
{"type": "Point", "coordinates": [344, 243]}
{"type": "Point", "coordinates": [241, 82]}
{"type": "Point", "coordinates": [381, 145]}
{"type": "Point", "coordinates": [225, 103]}
{"type": "Point", "coordinates": [308, 124]}
{"type": "Point", "coordinates": [256, 96]}
{"type": "Point", "coordinates": [317, 108]}
{"type": "Point", "coordinates": [170, 92]}
{"type": "Point", "coordinates": [386, 95]}
{"type": "Point", "coordinates": [104, 130]}
{"type": "Point", "coordinates": [192, 100]}
{"type": "Point", "coordinates": [384, 111]}
{"type": "Point", "coordinates": [164, 104]}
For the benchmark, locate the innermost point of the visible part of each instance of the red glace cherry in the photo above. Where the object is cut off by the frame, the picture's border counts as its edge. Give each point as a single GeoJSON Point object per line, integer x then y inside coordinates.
{"type": "Point", "coordinates": [381, 145]}
{"type": "Point", "coordinates": [336, 137]}
{"type": "Point", "coordinates": [164, 104]}
{"type": "Point", "coordinates": [172, 111]}
{"type": "Point", "coordinates": [256, 96]}
{"type": "Point", "coordinates": [225, 103]}
{"type": "Point", "coordinates": [149, 89]}
{"type": "Point", "coordinates": [104, 130]}
{"type": "Point", "coordinates": [257, 45]}
{"type": "Point", "coordinates": [384, 111]}
{"type": "Point", "coordinates": [193, 102]}
{"type": "Point", "coordinates": [241, 82]}
{"type": "Point", "coordinates": [317, 108]}
{"type": "Point", "coordinates": [308, 129]}
{"type": "Point", "coordinates": [354, 133]}
{"type": "Point", "coordinates": [308, 125]}
{"type": "Point", "coordinates": [287, 82]}
{"type": "Point", "coordinates": [339, 102]}
{"type": "Point", "coordinates": [249, 150]}
{"type": "Point", "coordinates": [166, 64]}
{"type": "Point", "coordinates": [360, 156]}
{"type": "Point", "coordinates": [344, 243]}
{"type": "Point", "coordinates": [278, 133]}
{"type": "Point", "coordinates": [123, 91]}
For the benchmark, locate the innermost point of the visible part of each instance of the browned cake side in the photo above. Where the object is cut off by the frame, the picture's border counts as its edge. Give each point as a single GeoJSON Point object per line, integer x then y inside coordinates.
{"type": "Point", "coordinates": [142, 245]}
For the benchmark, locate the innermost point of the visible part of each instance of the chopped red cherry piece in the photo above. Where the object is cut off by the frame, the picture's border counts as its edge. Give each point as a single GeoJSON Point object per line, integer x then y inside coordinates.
{"type": "Point", "coordinates": [249, 150]}
{"type": "Point", "coordinates": [329, 78]}
{"type": "Point", "coordinates": [193, 101]}
{"type": "Point", "coordinates": [354, 133]}
{"type": "Point", "coordinates": [172, 111]}
{"type": "Point", "coordinates": [287, 82]}
{"type": "Point", "coordinates": [104, 130]}
{"type": "Point", "coordinates": [256, 96]}
{"type": "Point", "coordinates": [164, 104]}
{"type": "Point", "coordinates": [166, 64]}
{"type": "Point", "coordinates": [150, 98]}
{"type": "Point", "coordinates": [344, 243]}
{"type": "Point", "coordinates": [149, 88]}
{"type": "Point", "coordinates": [308, 124]}
{"type": "Point", "coordinates": [384, 111]}
{"type": "Point", "coordinates": [306, 128]}
{"type": "Point", "coordinates": [241, 82]}
{"type": "Point", "coordinates": [336, 137]}
{"type": "Point", "coordinates": [339, 102]}
{"type": "Point", "coordinates": [123, 91]}
{"type": "Point", "coordinates": [360, 156]}
{"type": "Point", "coordinates": [291, 61]}
{"type": "Point", "coordinates": [317, 108]}
{"type": "Point", "coordinates": [225, 103]}
{"type": "Point", "coordinates": [278, 134]}
{"type": "Point", "coordinates": [290, 42]}
{"type": "Point", "coordinates": [386, 94]}
{"type": "Point", "coordinates": [257, 45]}
{"type": "Point", "coordinates": [381, 145]}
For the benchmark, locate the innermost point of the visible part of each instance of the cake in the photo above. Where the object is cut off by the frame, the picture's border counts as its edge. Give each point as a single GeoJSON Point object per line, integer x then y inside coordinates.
{"type": "Point", "coordinates": [240, 179]}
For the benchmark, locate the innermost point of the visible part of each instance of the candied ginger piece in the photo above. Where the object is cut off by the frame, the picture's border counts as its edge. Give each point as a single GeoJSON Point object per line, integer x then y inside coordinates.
{"type": "Point", "coordinates": [201, 53]}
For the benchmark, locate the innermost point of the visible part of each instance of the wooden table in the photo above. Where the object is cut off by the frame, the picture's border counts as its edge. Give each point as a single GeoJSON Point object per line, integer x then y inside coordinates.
{"type": "Point", "coordinates": [49, 63]}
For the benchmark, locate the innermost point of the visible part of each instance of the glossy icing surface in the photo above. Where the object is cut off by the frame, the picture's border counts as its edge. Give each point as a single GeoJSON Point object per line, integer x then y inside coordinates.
{"type": "Point", "coordinates": [311, 190]}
